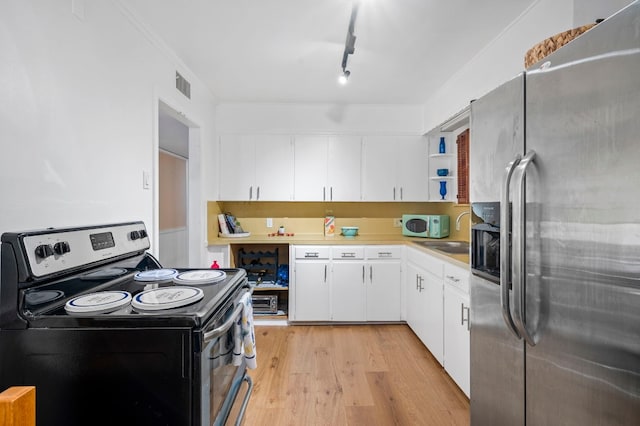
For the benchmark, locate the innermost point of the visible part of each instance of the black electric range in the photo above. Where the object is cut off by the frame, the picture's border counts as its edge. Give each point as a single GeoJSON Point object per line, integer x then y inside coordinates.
{"type": "Point", "coordinates": [109, 336]}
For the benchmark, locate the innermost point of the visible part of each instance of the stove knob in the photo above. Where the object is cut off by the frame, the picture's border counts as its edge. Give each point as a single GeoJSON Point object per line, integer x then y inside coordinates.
{"type": "Point", "coordinates": [61, 247]}
{"type": "Point", "coordinates": [43, 251]}
{"type": "Point", "coordinates": [134, 235]}
{"type": "Point", "coordinates": [143, 233]}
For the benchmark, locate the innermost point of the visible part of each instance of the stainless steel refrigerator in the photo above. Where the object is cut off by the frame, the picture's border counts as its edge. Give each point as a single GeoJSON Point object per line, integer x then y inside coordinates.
{"type": "Point", "coordinates": [555, 340]}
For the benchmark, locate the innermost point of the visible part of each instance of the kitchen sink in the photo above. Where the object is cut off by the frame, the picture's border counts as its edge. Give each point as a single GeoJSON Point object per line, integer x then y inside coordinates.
{"type": "Point", "coordinates": [449, 247]}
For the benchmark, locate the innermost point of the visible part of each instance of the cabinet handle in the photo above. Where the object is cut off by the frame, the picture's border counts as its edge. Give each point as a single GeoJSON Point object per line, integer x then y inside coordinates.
{"type": "Point", "coordinates": [363, 274]}
{"type": "Point", "coordinates": [453, 278]}
{"type": "Point", "coordinates": [401, 194]}
{"type": "Point", "coordinates": [348, 255]}
{"type": "Point", "coordinates": [371, 273]}
{"type": "Point", "coordinates": [250, 192]}
{"type": "Point", "coordinates": [462, 318]}
{"type": "Point", "coordinates": [325, 273]}
{"type": "Point", "coordinates": [258, 194]}
{"type": "Point", "coordinates": [394, 193]}
{"type": "Point", "coordinates": [331, 193]}
{"type": "Point", "coordinates": [417, 286]}
{"type": "Point", "coordinates": [309, 254]}
{"type": "Point", "coordinates": [324, 193]}
{"type": "Point", "coordinates": [385, 254]}
{"type": "Point", "coordinates": [421, 288]}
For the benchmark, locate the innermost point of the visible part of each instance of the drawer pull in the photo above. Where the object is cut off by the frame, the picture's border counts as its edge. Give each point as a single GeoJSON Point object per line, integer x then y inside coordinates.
{"type": "Point", "coordinates": [306, 255]}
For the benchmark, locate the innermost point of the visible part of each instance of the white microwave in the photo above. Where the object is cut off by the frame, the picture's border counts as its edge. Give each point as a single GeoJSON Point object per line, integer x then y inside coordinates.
{"type": "Point", "coordinates": [425, 225]}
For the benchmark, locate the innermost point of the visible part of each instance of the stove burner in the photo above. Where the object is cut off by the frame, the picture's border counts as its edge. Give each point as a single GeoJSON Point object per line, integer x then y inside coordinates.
{"type": "Point", "coordinates": [166, 298]}
{"type": "Point", "coordinates": [40, 297]}
{"type": "Point", "coordinates": [203, 276]}
{"type": "Point", "coordinates": [100, 302]}
{"type": "Point", "coordinates": [156, 275]}
{"type": "Point", "coordinates": [104, 273]}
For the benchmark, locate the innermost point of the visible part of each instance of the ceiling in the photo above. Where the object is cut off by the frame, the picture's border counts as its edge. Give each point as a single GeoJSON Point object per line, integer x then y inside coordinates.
{"type": "Point", "coordinates": [290, 51]}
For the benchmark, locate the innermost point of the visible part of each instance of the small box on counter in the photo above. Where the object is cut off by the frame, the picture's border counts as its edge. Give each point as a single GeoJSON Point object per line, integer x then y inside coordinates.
{"type": "Point", "coordinates": [329, 226]}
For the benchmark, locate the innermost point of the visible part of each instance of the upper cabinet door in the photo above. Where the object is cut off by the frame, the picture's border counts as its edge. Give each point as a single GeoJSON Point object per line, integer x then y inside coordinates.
{"type": "Point", "coordinates": [274, 168]}
{"type": "Point", "coordinates": [379, 169]}
{"type": "Point", "coordinates": [344, 168]}
{"type": "Point", "coordinates": [310, 168]}
{"type": "Point", "coordinates": [412, 168]}
{"type": "Point", "coordinates": [237, 166]}
{"type": "Point", "coordinates": [395, 168]}
{"type": "Point", "coordinates": [256, 168]}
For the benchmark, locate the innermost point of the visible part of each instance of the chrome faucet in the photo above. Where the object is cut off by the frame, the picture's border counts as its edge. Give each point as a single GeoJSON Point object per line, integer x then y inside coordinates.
{"type": "Point", "coordinates": [458, 220]}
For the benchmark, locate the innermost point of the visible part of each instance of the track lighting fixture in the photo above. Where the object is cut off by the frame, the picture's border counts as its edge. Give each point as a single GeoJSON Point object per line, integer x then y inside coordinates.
{"type": "Point", "coordinates": [349, 44]}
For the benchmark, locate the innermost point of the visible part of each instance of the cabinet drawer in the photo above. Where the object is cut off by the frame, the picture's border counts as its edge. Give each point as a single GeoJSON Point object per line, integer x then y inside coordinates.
{"type": "Point", "coordinates": [347, 252]}
{"type": "Point", "coordinates": [457, 277]}
{"type": "Point", "coordinates": [383, 252]}
{"type": "Point", "coordinates": [315, 252]}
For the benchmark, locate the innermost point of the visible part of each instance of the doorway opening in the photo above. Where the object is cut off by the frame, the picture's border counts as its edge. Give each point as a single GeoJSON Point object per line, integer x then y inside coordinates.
{"type": "Point", "coordinates": [178, 181]}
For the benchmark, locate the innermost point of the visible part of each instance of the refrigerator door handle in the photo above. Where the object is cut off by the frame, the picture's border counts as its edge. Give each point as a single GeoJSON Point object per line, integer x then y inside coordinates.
{"type": "Point", "coordinates": [505, 252]}
{"type": "Point", "coordinates": [519, 242]}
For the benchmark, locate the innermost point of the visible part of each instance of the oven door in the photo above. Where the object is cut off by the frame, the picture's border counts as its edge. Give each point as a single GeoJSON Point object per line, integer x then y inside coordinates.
{"type": "Point", "coordinates": [220, 380]}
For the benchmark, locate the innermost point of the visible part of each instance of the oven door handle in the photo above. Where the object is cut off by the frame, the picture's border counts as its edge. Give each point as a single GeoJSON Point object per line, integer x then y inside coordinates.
{"type": "Point", "coordinates": [245, 400]}
{"type": "Point", "coordinates": [219, 331]}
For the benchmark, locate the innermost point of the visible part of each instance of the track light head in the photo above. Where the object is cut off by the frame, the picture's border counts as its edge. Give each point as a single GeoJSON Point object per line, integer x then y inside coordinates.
{"type": "Point", "coordinates": [342, 79]}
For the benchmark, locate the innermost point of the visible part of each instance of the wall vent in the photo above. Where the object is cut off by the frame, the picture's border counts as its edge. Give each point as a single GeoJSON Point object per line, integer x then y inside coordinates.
{"type": "Point", "coordinates": [183, 85]}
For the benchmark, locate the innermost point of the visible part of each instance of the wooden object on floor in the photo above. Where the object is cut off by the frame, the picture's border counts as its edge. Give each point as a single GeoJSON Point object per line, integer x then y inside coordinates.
{"type": "Point", "coordinates": [350, 375]}
{"type": "Point", "coordinates": [18, 406]}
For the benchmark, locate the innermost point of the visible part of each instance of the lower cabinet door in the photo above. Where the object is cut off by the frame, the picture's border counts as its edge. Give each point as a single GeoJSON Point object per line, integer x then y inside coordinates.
{"type": "Point", "coordinates": [456, 337]}
{"type": "Point", "coordinates": [415, 298]}
{"type": "Point", "coordinates": [383, 280]}
{"type": "Point", "coordinates": [312, 291]}
{"type": "Point", "coordinates": [434, 316]}
{"type": "Point", "coordinates": [348, 291]}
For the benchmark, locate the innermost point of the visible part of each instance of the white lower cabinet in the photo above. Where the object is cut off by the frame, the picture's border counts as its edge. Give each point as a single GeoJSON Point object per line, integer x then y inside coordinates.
{"type": "Point", "coordinates": [363, 283]}
{"type": "Point", "coordinates": [425, 313]}
{"type": "Point", "coordinates": [348, 286]}
{"type": "Point", "coordinates": [311, 283]}
{"type": "Point", "coordinates": [456, 326]}
{"type": "Point", "coordinates": [425, 300]}
{"type": "Point", "coordinates": [437, 296]}
{"type": "Point", "coordinates": [383, 275]}
{"type": "Point", "coordinates": [415, 299]}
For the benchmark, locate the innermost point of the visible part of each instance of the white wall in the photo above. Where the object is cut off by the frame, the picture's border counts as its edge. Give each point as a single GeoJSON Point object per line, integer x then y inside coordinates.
{"type": "Point", "coordinates": [499, 61]}
{"type": "Point", "coordinates": [79, 116]}
{"type": "Point", "coordinates": [503, 58]}
{"type": "Point", "coordinates": [319, 118]}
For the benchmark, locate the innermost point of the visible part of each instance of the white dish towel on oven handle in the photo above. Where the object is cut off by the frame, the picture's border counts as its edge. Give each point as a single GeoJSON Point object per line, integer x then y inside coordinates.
{"type": "Point", "coordinates": [245, 339]}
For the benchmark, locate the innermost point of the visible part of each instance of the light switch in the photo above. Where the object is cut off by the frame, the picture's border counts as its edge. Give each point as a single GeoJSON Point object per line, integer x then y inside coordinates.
{"type": "Point", "coordinates": [145, 180]}
{"type": "Point", "coordinates": [269, 222]}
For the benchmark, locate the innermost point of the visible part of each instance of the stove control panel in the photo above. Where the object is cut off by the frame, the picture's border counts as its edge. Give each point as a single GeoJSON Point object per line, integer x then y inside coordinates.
{"type": "Point", "coordinates": [55, 250]}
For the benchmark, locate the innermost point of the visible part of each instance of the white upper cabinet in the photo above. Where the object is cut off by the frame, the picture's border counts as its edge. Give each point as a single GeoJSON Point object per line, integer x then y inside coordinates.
{"type": "Point", "coordinates": [395, 168]}
{"type": "Point", "coordinates": [344, 168]}
{"type": "Point", "coordinates": [327, 168]}
{"type": "Point", "coordinates": [256, 168]}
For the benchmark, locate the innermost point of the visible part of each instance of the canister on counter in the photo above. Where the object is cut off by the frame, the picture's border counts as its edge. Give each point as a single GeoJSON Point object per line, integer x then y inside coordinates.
{"type": "Point", "coordinates": [329, 226]}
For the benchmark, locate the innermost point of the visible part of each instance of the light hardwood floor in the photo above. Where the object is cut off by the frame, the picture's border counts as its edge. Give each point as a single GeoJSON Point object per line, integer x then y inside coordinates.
{"type": "Point", "coordinates": [350, 375]}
